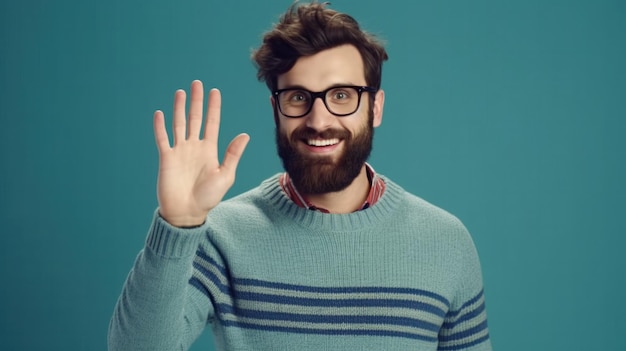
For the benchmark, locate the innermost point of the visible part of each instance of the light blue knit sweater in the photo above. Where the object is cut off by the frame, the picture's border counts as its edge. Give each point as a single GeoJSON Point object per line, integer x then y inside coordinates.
{"type": "Point", "coordinates": [265, 274]}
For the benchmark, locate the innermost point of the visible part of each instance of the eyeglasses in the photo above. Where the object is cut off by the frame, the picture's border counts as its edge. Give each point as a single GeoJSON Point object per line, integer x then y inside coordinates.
{"type": "Point", "coordinates": [339, 100]}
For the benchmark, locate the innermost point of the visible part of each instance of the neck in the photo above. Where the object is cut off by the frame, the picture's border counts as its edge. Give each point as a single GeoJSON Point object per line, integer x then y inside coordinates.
{"type": "Point", "coordinates": [347, 200]}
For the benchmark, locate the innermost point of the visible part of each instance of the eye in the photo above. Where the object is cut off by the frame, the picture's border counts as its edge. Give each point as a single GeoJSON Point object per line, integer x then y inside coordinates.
{"type": "Point", "coordinates": [341, 95]}
{"type": "Point", "coordinates": [296, 96]}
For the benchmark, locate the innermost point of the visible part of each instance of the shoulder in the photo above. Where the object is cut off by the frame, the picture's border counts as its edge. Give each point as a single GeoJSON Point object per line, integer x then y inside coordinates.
{"type": "Point", "coordinates": [443, 234]}
{"type": "Point", "coordinates": [428, 219]}
{"type": "Point", "coordinates": [419, 208]}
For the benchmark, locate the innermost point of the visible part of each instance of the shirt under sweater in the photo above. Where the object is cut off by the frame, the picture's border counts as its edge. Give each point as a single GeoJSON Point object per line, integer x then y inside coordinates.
{"type": "Point", "coordinates": [265, 274]}
{"type": "Point", "coordinates": [377, 188]}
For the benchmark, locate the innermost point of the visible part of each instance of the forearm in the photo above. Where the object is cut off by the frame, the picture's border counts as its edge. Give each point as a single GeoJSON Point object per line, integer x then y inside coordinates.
{"type": "Point", "coordinates": [156, 309]}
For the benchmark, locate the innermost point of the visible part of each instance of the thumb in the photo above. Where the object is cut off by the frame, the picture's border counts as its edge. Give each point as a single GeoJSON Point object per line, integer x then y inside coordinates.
{"type": "Point", "coordinates": [234, 151]}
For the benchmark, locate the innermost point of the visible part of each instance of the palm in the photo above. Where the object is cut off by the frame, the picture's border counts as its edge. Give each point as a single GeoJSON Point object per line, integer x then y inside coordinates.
{"type": "Point", "coordinates": [191, 179]}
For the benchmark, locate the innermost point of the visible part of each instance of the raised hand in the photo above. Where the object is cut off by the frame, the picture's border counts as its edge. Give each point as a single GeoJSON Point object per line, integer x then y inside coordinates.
{"type": "Point", "coordinates": [191, 179]}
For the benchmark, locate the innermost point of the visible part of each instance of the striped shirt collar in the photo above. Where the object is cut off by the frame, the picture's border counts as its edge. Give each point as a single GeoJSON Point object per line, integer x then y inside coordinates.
{"type": "Point", "coordinates": [377, 189]}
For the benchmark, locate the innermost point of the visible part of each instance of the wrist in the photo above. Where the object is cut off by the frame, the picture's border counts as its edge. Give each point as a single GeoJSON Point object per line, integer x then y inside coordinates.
{"type": "Point", "coordinates": [186, 222]}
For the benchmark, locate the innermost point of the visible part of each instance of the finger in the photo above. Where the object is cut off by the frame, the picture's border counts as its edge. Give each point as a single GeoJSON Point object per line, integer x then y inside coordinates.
{"type": "Point", "coordinates": [214, 107]}
{"type": "Point", "coordinates": [160, 132]}
{"type": "Point", "coordinates": [234, 151]}
{"type": "Point", "coordinates": [195, 110]}
{"type": "Point", "coordinates": [179, 116]}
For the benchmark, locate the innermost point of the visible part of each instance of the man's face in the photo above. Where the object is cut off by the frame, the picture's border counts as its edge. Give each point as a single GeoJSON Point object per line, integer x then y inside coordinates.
{"type": "Point", "coordinates": [322, 152]}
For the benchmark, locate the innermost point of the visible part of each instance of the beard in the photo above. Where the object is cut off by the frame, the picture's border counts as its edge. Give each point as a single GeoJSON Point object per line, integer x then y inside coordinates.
{"type": "Point", "coordinates": [313, 174]}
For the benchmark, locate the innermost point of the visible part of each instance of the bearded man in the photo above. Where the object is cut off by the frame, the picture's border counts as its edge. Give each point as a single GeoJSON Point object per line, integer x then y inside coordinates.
{"type": "Point", "coordinates": [328, 255]}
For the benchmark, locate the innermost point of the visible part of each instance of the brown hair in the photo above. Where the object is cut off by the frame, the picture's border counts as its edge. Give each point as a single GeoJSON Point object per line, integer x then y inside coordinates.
{"type": "Point", "coordinates": [308, 29]}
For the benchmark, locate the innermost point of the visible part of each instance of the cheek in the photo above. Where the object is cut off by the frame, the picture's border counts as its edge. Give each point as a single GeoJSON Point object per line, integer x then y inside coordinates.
{"type": "Point", "coordinates": [357, 125]}
{"type": "Point", "coordinates": [287, 125]}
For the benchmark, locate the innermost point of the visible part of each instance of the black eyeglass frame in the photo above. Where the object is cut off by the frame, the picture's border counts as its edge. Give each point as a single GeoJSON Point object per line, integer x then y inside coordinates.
{"type": "Point", "coordinates": [322, 95]}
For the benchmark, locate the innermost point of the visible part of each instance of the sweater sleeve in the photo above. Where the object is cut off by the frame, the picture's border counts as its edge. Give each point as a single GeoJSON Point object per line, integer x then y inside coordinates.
{"type": "Point", "coordinates": [465, 325]}
{"type": "Point", "coordinates": [158, 309]}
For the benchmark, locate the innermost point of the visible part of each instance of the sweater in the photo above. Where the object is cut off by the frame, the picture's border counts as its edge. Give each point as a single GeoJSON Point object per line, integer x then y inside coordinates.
{"type": "Point", "coordinates": [265, 274]}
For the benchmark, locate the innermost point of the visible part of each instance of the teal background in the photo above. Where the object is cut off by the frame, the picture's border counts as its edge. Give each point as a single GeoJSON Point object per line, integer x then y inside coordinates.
{"type": "Point", "coordinates": [511, 115]}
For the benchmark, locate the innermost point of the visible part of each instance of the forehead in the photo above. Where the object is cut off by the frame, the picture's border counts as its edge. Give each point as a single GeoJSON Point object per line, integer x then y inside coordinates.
{"type": "Point", "coordinates": [338, 65]}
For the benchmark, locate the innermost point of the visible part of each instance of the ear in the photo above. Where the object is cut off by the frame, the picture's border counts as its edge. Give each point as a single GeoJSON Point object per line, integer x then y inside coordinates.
{"type": "Point", "coordinates": [274, 108]}
{"type": "Point", "coordinates": [379, 103]}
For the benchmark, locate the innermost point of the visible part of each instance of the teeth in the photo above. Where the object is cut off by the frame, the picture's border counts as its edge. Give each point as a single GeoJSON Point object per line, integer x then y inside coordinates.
{"type": "Point", "coordinates": [319, 142]}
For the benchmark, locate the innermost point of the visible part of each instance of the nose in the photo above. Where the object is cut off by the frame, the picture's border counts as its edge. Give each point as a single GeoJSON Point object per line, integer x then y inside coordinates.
{"type": "Point", "coordinates": [319, 118]}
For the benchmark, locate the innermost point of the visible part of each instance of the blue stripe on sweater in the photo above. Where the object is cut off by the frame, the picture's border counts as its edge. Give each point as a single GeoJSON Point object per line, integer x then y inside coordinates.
{"type": "Point", "coordinates": [213, 263]}
{"type": "Point", "coordinates": [317, 302]}
{"type": "Point", "coordinates": [341, 302]}
{"type": "Point", "coordinates": [315, 289]}
{"type": "Point", "coordinates": [330, 319]}
{"type": "Point", "coordinates": [213, 278]}
{"type": "Point", "coordinates": [453, 314]}
{"type": "Point", "coordinates": [464, 333]}
{"type": "Point", "coordinates": [467, 316]}
{"type": "Point", "coordinates": [340, 290]}
{"type": "Point", "coordinates": [254, 290]}
{"type": "Point", "coordinates": [352, 332]}
{"type": "Point", "coordinates": [463, 346]}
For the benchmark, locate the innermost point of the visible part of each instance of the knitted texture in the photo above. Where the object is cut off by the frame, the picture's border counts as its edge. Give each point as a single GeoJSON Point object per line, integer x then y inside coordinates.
{"type": "Point", "coordinates": [265, 274]}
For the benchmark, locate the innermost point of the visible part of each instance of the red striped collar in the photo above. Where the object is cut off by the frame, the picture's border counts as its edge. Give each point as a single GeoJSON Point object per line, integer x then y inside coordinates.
{"type": "Point", "coordinates": [376, 191]}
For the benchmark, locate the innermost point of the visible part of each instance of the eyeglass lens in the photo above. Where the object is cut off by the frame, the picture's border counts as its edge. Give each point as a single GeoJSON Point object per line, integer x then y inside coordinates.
{"type": "Point", "coordinates": [339, 101]}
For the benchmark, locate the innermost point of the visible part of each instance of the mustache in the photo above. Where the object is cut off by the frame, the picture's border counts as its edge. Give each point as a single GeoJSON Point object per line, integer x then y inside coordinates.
{"type": "Point", "coordinates": [310, 133]}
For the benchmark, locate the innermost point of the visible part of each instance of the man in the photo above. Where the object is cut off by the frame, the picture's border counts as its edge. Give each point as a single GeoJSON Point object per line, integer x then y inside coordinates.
{"type": "Point", "coordinates": [329, 255]}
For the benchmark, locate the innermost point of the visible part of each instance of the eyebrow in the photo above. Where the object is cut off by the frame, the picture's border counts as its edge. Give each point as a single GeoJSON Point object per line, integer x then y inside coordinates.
{"type": "Point", "coordinates": [298, 86]}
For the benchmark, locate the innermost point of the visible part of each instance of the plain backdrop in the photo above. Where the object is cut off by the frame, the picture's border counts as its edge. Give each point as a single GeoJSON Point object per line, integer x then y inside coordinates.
{"type": "Point", "coordinates": [509, 114]}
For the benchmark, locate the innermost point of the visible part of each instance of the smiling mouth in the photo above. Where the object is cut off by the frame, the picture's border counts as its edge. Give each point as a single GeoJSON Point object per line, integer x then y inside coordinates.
{"type": "Point", "coordinates": [322, 142]}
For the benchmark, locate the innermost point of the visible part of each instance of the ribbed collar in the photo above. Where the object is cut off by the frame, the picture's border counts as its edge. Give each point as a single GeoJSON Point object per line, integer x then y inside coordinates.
{"type": "Point", "coordinates": [382, 210]}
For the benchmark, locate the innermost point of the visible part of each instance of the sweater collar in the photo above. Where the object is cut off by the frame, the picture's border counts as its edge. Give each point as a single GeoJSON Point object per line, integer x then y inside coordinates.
{"type": "Point", "coordinates": [282, 205]}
